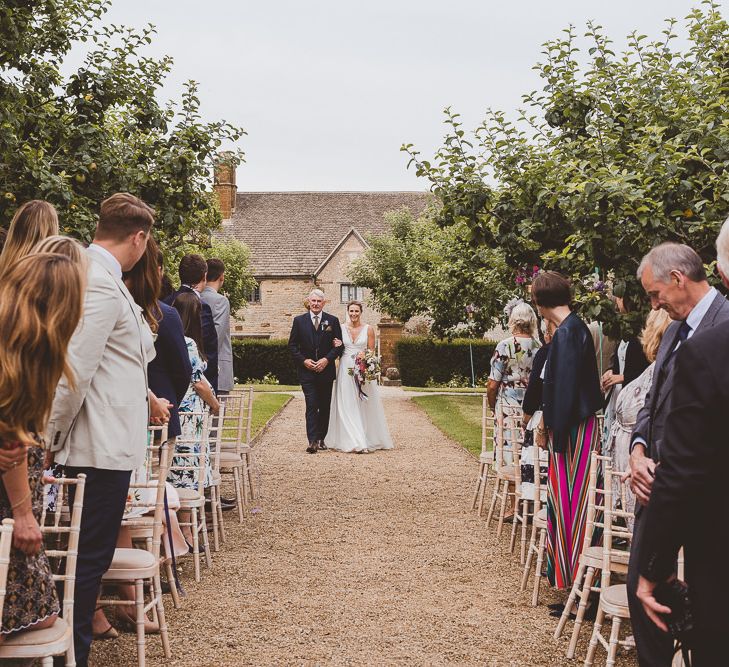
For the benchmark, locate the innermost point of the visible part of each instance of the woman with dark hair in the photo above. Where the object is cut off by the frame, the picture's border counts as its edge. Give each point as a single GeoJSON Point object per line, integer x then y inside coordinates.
{"type": "Point", "coordinates": [143, 283]}
{"type": "Point", "coordinates": [571, 396]}
{"type": "Point", "coordinates": [199, 394]}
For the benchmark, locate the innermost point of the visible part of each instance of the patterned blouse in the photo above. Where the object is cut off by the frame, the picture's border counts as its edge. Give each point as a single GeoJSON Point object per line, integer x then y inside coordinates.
{"type": "Point", "coordinates": [511, 366]}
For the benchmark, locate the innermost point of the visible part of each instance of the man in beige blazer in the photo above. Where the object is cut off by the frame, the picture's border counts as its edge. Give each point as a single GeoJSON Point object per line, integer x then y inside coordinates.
{"type": "Point", "coordinates": [99, 428]}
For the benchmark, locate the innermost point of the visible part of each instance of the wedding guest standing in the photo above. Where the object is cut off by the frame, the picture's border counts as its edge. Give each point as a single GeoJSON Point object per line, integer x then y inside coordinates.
{"type": "Point", "coordinates": [99, 427]}
{"type": "Point", "coordinates": [193, 272]}
{"type": "Point", "coordinates": [674, 278]}
{"type": "Point", "coordinates": [220, 308]}
{"type": "Point", "coordinates": [169, 372]}
{"type": "Point", "coordinates": [41, 302]}
{"type": "Point", "coordinates": [631, 400]}
{"type": "Point", "coordinates": [571, 397]}
{"type": "Point", "coordinates": [688, 500]}
{"type": "Point", "coordinates": [512, 360]}
{"type": "Point", "coordinates": [199, 395]}
{"type": "Point", "coordinates": [32, 222]}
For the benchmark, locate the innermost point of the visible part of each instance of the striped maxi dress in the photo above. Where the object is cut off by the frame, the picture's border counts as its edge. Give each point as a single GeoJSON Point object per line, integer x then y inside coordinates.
{"type": "Point", "coordinates": [567, 487]}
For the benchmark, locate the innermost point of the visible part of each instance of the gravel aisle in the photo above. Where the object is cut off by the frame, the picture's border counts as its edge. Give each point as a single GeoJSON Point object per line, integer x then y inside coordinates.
{"type": "Point", "coordinates": [359, 560]}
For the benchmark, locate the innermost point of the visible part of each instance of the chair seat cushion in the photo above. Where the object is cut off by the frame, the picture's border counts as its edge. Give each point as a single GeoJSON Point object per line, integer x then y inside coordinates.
{"type": "Point", "coordinates": [594, 555]}
{"type": "Point", "coordinates": [33, 642]}
{"type": "Point", "coordinates": [228, 459]}
{"type": "Point", "coordinates": [187, 495]}
{"type": "Point", "coordinates": [130, 564]}
{"type": "Point", "coordinates": [614, 600]}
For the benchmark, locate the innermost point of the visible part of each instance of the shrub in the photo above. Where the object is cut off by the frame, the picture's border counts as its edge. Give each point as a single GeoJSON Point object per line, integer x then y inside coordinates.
{"type": "Point", "coordinates": [422, 360]}
{"type": "Point", "coordinates": [261, 359]}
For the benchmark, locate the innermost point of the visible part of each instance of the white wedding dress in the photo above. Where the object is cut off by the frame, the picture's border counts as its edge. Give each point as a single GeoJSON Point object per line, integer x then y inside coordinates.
{"type": "Point", "coordinates": [355, 424]}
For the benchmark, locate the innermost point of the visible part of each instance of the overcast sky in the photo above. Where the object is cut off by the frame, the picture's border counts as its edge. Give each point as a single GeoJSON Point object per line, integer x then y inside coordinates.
{"type": "Point", "coordinates": [328, 90]}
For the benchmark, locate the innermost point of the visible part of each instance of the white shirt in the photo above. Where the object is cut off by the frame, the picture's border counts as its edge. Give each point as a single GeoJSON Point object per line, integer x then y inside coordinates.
{"type": "Point", "coordinates": [313, 315]}
{"type": "Point", "coordinates": [105, 253]}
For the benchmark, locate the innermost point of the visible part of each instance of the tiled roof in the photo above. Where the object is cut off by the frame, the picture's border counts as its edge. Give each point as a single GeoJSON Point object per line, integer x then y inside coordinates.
{"type": "Point", "coordinates": [292, 233]}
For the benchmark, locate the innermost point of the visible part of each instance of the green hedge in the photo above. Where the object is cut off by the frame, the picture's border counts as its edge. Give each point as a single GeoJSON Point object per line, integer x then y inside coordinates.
{"type": "Point", "coordinates": [420, 358]}
{"type": "Point", "coordinates": [254, 358]}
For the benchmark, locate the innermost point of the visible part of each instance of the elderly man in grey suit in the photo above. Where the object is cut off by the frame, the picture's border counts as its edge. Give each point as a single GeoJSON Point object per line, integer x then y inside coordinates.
{"type": "Point", "coordinates": [674, 278]}
{"type": "Point", "coordinates": [220, 306]}
{"type": "Point", "coordinates": [100, 428]}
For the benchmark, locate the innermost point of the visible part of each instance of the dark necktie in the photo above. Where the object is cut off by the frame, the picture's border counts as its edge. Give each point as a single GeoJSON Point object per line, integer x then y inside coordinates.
{"type": "Point", "coordinates": [316, 322]}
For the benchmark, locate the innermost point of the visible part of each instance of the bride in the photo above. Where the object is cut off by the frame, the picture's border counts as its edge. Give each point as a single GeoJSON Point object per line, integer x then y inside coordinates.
{"type": "Point", "coordinates": [356, 424]}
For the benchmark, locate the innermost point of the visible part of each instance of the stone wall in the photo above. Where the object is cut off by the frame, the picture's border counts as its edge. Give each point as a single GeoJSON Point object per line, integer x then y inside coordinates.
{"type": "Point", "coordinates": [282, 298]}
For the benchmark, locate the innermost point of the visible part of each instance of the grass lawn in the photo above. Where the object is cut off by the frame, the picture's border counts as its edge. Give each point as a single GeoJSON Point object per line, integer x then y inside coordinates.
{"type": "Point", "coordinates": [454, 390]}
{"type": "Point", "coordinates": [266, 406]}
{"type": "Point", "coordinates": [459, 417]}
{"type": "Point", "coordinates": [266, 388]}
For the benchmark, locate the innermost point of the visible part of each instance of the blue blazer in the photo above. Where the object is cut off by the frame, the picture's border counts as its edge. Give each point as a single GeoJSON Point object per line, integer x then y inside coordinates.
{"type": "Point", "coordinates": [170, 371]}
{"type": "Point", "coordinates": [210, 336]}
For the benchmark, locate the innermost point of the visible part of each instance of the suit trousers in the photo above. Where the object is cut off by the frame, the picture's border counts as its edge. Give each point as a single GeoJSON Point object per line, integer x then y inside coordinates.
{"type": "Point", "coordinates": [318, 395]}
{"type": "Point", "coordinates": [655, 647]}
{"type": "Point", "coordinates": [105, 497]}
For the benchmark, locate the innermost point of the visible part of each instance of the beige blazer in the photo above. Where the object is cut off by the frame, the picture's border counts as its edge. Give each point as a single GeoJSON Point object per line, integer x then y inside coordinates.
{"type": "Point", "coordinates": [103, 423]}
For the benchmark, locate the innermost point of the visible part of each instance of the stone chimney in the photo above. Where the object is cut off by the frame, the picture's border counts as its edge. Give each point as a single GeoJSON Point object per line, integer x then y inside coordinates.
{"type": "Point", "coordinates": [224, 184]}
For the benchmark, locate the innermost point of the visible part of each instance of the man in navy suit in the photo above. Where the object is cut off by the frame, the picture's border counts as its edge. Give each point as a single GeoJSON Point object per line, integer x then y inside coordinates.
{"type": "Point", "coordinates": [312, 346]}
{"type": "Point", "coordinates": [169, 373]}
{"type": "Point", "coordinates": [193, 271]}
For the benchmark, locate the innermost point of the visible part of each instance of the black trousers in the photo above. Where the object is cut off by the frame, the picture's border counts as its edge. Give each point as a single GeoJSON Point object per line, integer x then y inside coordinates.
{"type": "Point", "coordinates": [655, 647]}
{"type": "Point", "coordinates": [318, 395]}
{"type": "Point", "coordinates": [105, 497]}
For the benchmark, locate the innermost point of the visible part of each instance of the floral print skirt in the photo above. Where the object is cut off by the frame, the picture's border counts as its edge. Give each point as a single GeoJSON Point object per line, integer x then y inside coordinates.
{"type": "Point", "coordinates": [31, 594]}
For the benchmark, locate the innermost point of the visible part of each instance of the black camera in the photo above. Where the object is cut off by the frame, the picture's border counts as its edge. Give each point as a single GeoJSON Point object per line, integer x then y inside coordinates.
{"type": "Point", "coordinates": [676, 596]}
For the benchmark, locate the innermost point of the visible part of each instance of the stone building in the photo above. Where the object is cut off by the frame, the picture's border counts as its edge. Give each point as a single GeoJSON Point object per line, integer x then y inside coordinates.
{"type": "Point", "coordinates": [299, 240]}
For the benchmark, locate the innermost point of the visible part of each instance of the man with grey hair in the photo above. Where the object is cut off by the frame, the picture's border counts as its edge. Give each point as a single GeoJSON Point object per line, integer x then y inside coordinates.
{"type": "Point", "coordinates": [674, 278]}
{"type": "Point", "coordinates": [689, 503]}
{"type": "Point", "coordinates": [312, 345]}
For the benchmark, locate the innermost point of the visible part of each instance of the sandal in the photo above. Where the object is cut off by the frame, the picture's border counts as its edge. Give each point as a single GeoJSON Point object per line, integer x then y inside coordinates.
{"type": "Point", "coordinates": [109, 633]}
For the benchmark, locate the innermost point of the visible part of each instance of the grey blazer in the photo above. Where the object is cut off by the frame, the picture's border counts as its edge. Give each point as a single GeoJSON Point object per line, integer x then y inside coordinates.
{"type": "Point", "coordinates": [651, 420]}
{"type": "Point", "coordinates": [103, 422]}
{"type": "Point", "coordinates": [220, 306]}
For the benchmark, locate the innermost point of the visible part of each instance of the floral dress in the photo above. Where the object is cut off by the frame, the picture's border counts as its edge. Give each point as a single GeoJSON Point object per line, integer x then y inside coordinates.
{"type": "Point", "coordinates": [31, 594]}
{"type": "Point", "coordinates": [191, 427]}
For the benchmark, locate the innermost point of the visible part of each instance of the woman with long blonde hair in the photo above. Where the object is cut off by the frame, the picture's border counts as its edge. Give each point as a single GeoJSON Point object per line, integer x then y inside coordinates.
{"type": "Point", "coordinates": [41, 302]}
{"type": "Point", "coordinates": [32, 222]}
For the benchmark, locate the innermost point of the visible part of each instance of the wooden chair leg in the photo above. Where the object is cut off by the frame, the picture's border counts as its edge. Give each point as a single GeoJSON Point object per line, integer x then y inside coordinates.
{"type": "Point", "coordinates": [205, 539]}
{"type": "Point", "coordinates": [494, 498]}
{"type": "Point", "coordinates": [584, 600]}
{"type": "Point", "coordinates": [571, 600]}
{"type": "Point", "coordinates": [514, 521]}
{"type": "Point", "coordinates": [47, 661]}
{"type": "Point", "coordinates": [538, 572]}
{"type": "Point", "coordinates": [249, 473]}
{"type": "Point", "coordinates": [139, 606]}
{"type": "Point", "coordinates": [160, 607]}
{"type": "Point", "coordinates": [484, 485]}
{"type": "Point", "coordinates": [172, 583]}
{"type": "Point", "coordinates": [238, 494]}
{"type": "Point", "coordinates": [502, 510]}
{"type": "Point", "coordinates": [479, 483]}
{"type": "Point", "coordinates": [530, 554]}
{"type": "Point", "coordinates": [214, 502]}
{"type": "Point", "coordinates": [195, 543]}
{"type": "Point", "coordinates": [221, 522]}
{"type": "Point", "coordinates": [525, 516]}
{"type": "Point", "coordinates": [596, 629]}
{"type": "Point", "coordinates": [613, 645]}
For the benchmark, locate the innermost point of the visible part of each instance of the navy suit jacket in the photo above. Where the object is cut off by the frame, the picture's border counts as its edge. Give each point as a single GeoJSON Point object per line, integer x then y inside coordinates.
{"type": "Point", "coordinates": [210, 337]}
{"type": "Point", "coordinates": [170, 371]}
{"type": "Point", "coordinates": [305, 342]}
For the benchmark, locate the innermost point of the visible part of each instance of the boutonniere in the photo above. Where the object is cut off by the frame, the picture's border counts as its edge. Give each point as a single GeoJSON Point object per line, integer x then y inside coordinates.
{"type": "Point", "coordinates": [326, 325]}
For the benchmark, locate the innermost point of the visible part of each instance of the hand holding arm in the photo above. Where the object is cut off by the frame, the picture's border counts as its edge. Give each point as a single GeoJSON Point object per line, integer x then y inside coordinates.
{"type": "Point", "coordinates": [26, 533]}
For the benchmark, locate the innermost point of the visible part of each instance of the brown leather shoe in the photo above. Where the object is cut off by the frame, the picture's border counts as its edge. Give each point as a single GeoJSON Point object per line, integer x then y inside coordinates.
{"type": "Point", "coordinates": [321, 445]}
{"type": "Point", "coordinates": [313, 448]}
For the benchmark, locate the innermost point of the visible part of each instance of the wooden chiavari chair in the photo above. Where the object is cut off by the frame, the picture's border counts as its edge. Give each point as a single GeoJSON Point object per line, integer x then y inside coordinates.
{"type": "Point", "coordinates": [6, 542]}
{"type": "Point", "coordinates": [505, 465]}
{"type": "Point", "coordinates": [137, 566]}
{"type": "Point", "coordinates": [613, 598]}
{"type": "Point", "coordinates": [486, 459]}
{"type": "Point", "coordinates": [57, 639]}
{"type": "Point", "coordinates": [193, 465]}
{"type": "Point", "coordinates": [216, 506]}
{"type": "Point", "coordinates": [538, 538]}
{"type": "Point", "coordinates": [592, 558]}
{"type": "Point", "coordinates": [236, 457]}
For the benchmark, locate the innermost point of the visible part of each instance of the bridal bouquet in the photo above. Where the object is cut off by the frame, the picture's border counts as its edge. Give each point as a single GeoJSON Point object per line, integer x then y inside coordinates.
{"type": "Point", "coordinates": [366, 368]}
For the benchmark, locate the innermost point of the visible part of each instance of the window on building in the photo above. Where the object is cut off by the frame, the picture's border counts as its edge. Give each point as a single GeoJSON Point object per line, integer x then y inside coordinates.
{"type": "Point", "coordinates": [254, 296]}
{"type": "Point", "coordinates": [349, 292]}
